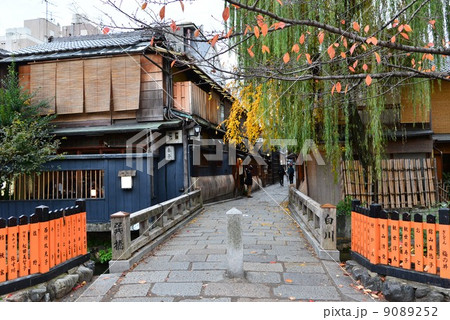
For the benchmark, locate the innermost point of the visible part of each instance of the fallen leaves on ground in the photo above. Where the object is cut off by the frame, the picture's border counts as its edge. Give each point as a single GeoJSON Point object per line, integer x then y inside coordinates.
{"type": "Point", "coordinates": [288, 280]}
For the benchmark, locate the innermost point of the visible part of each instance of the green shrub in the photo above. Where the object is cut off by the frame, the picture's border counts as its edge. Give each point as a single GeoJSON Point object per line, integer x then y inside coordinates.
{"type": "Point", "coordinates": [344, 207]}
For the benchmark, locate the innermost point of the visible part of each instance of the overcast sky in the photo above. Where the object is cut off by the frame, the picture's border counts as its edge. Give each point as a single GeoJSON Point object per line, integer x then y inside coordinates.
{"type": "Point", "coordinates": [12, 12]}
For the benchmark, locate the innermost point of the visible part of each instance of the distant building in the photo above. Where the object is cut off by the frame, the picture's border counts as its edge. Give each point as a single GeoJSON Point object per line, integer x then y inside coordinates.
{"type": "Point", "coordinates": [38, 31]}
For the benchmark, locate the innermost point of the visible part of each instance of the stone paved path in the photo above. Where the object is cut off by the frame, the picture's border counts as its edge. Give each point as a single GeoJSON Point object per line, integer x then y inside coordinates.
{"type": "Point", "coordinates": [191, 266]}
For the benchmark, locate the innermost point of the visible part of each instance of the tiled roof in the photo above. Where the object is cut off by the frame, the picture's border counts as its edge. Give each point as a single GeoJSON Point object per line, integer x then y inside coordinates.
{"type": "Point", "coordinates": [85, 42]}
{"type": "Point", "coordinates": [4, 52]}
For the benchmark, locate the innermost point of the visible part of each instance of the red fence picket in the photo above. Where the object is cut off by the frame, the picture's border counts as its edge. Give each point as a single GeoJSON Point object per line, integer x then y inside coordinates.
{"type": "Point", "coordinates": [41, 242]}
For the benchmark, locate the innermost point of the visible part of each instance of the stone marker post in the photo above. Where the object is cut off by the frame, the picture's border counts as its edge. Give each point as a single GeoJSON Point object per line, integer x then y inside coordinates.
{"type": "Point", "coordinates": [235, 247]}
{"type": "Point", "coordinates": [328, 227]}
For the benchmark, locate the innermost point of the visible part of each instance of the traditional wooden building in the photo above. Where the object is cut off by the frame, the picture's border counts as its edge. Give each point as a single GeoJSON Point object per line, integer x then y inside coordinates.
{"type": "Point", "coordinates": [128, 108]}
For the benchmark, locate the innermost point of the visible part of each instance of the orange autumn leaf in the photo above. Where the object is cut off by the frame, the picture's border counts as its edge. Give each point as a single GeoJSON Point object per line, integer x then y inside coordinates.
{"type": "Point", "coordinates": [214, 40]}
{"type": "Point", "coordinates": [308, 58]}
{"type": "Point", "coordinates": [355, 63]}
{"type": "Point", "coordinates": [321, 36]}
{"type": "Point", "coordinates": [226, 13]}
{"type": "Point", "coordinates": [173, 63]}
{"type": "Point", "coordinates": [430, 57]}
{"type": "Point", "coordinates": [368, 80]}
{"type": "Point", "coordinates": [105, 30]}
{"type": "Point", "coordinates": [366, 29]}
{"type": "Point", "coordinates": [144, 5]}
{"type": "Point", "coordinates": [343, 55]}
{"type": "Point", "coordinates": [247, 29]}
{"type": "Point", "coordinates": [407, 28]}
{"type": "Point", "coordinates": [351, 69]}
{"type": "Point", "coordinates": [162, 12]}
{"type": "Point", "coordinates": [229, 33]}
{"type": "Point", "coordinates": [236, 6]}
{"type": "Point", "coordinates": [332, 89]}
{"type": "Point", "coordinates": [404, 35]}
{"type": "Point", "coordinates": [356, 26]}
{"type": "Point", "coordinates": [250, 52]}
{"type": "Point", "coordinates": [256, 31]}
{"type": "Point", "coordinates": [173, 26]}
{"type": "Point", "coordinates": [264, 29]}
{"type": "Point", "coordinates": [288, 280]}
{"type": "Point", "coordinates": [298, 57]}
{"type": "Point", "coordinates": [372, 40]}
{"type": "Point", "coordinates": [364, 47]}
{"type": "Point", "coordinates": [265, 49]}
{"type": "Point", "coordinates": [182, 5]}
{"type": "Point", "coordinates": [295, 48]}
{"type": "Point", "coordinates": [279, 25]}
{"type": "Point", "coordinates": [152, 41]}
{"type": "Point", "coordinates": [279, 1]}
{"type": "Point", "coordinates": [344, 42]}
{"type": "Point", "coordinates": [400, 28]}
{"type": "Point", "coordinates": [365, 67]}
{"type": "Point", "coordinates": [196, 33]}
{"type": "Point", "coordinates": [393, 39]}
{"type": "Point", "coordinates": [331, 52]}
{"type": "Point", "coordinates": [432, 22]}
{"type": "Point", "coordinates": [395, 23]}
{"type": "Point", "coordinates": [286, 57]}
{"type": "Point", "coordinates": [342, 21]}
{"type": "Point", "coordinates": [302, 39]}
{"type": "Point", "coordinates": [433, 68]}
{"type": "Point", "coordinates": [346, 89]}
{"type": "Point", "coordinates": [353, 47]}
{"type": "Point", "coordinates": [377, 57]}
{"type": "Point", "coordinates": [338, 87]}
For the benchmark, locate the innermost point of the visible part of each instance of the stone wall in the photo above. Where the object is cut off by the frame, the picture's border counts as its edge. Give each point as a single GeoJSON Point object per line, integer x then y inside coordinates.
{"type": "Point", "coordinates": [215, 187]}
{"type": "Point", "coordinates": [56, 288]}
{"type": "Point", "coordinates": [395, 289]}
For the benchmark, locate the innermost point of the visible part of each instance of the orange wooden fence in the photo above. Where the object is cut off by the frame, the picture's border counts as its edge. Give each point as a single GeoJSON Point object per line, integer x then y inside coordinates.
{"type": "Point", "coordinates": [414, 243]}
{"type": "Point", "coordinates": [36, 244]}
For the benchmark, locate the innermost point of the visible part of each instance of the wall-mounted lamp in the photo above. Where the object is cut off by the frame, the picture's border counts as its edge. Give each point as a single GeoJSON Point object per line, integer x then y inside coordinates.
{"type": "Point", "coordinates": [197, 130]}
{"type": "Point", "coordinates": [126, 178]}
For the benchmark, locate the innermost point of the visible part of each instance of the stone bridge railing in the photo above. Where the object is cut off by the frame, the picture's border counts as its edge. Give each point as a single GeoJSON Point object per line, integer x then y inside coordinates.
{"type": "Point", "coordinates": [318, 222]}
{"type": "Point", "coordinates": [153, 222]}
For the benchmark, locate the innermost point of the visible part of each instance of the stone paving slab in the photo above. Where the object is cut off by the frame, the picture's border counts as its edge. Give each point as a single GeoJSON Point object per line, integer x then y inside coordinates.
{"type": "Point", "coordinates": [177, 289]}
{"type": "Point", "coordinates": [279, 263]}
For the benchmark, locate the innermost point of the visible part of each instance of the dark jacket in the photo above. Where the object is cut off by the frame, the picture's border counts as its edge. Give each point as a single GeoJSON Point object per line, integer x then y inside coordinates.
{"type": "Point", "coordinates": [248, 177]}
{"type": "Point", "coordinates": [290, 171]}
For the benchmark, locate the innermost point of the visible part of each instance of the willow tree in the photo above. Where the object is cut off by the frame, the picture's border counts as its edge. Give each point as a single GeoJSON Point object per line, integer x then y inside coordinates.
{"type": "Point", "coordinates": [307, 68]}
{"type": "Point", "coordinates": [319, 61]}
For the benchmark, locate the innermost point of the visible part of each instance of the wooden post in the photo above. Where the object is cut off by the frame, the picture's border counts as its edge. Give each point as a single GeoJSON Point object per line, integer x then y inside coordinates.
{"type": "Point", "coordinates": [68, 225]}
{"type": "Point", "coordinates": [120, 235]}
{"type": "Point", "coordinates": [354, 230]}
{"type": "Point", "coordinates": [235, 247]}
{"type": "Point", "coordinates": [81, 203]}
{"type": "Point", "coordinates": [58, 222]}
{"type": "Point", "coordinates": [52, 246]}
{"type": "Point", "coordinates": [3, 232]}
{"type": "Point", "coordinates": [384, 234]}
{"type": "Point", "coordinates": [12, 248]}
{"type": "Point", "coordinates": [417, 225]}
{"type": "Point", "coordinates": [327, 225]}
{"type": "Point", "coordinates": [444, 242]}
{"type": "Point", "coordinates": [62, 213]}
{"type": "Point", "coordinates": [374, 233]}
{"type": "Point", "coordinates": [35, 248]}
{"type": "Point", "coordinates": [24, 263]}
{"type": "Point", "coordinates": [395, 239]}
{"type": "Point", "coordinates": [405, 252]}
{"type": "Point", "coordinates": [430, 227]}
{"type": "Point", "coordinates": [44, 240]}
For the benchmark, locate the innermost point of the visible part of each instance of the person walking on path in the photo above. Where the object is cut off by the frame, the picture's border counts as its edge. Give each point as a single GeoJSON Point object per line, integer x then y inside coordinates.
{"type": "Point", "coordinates": [249, 180]}
{"type": "Point", "coordinates": [290, 173]}
{"type": "Point", "coordinates": [281, 174]}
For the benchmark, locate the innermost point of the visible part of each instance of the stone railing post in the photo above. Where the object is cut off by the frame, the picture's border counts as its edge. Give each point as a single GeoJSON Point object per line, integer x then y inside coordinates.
{"type": "Point", "coordinates": [235, 247]}
{"type": "Point", "coordinates": [120, 235]}
{"type": "Point", "coordinates": [328, 227]}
